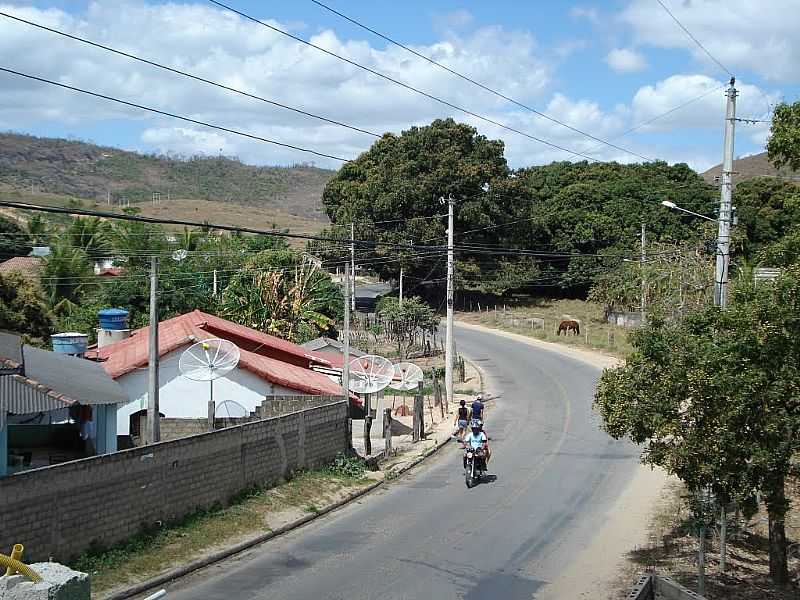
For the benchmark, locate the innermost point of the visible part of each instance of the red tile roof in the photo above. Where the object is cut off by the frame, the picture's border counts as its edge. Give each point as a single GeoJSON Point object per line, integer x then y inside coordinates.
{"type": "Point", "coordinates": [267, 356]}
{"type": "Point", "coordinates": [30, 266]}
{"type": "Point", "coordinates": [110, 272]}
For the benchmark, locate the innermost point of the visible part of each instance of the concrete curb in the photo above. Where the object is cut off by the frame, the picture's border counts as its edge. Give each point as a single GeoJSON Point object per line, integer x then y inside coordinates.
{"type": "Point", "coordinates": [196, 565]}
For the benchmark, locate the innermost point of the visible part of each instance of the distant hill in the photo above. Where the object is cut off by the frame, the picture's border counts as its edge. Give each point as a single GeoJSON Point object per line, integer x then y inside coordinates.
{"type": "Point", "coordinates": [84, 170]}
{"type": "Point", "coordinates": [752, 166]}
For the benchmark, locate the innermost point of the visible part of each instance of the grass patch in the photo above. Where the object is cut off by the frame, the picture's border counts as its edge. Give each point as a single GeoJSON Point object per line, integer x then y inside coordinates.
{"type": "Point", "coordinates": [248, 514]}
{"type": "Point", "coordinates": [540, 318]}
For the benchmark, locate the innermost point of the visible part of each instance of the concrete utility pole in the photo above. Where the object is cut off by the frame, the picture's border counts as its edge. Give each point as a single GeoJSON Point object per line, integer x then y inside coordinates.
{"type": "Point", "coordinates": [215, 283]}
{"type": "Point", "coordinates": [641, 262]}
{"type": "Point", "coordinates": [401, 286]}
{"type": "Point", "coordinates": [724, 235]}
{"type": "Point", "coordinates": [448, 356]}
{"type": "Point", "coordinates": [153, 425]}
{"type": "Point", "coordinates": [346, 353]}
{"type": "Point", "coordinates": [353, 263]}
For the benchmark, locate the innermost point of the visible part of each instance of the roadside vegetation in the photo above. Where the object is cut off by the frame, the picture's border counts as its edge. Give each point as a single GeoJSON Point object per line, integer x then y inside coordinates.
{"type": "Point", "coordinates": [248, 515]}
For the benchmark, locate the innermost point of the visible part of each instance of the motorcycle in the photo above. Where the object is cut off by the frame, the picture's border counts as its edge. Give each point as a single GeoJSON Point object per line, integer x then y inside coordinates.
{"type": "Point", "coordinates": [475, 465]}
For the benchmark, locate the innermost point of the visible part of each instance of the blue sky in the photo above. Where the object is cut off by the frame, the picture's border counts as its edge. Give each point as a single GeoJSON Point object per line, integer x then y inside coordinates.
{"type": "Point", "coordinates": [601, 67]}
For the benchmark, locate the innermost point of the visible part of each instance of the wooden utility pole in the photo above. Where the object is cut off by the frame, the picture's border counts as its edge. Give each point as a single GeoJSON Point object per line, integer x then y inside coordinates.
{"type": "Point", "coordinates": [153, 424]}
{"type": "Point", "coordinates": [387, 432]}
{"type": "Point", "coordinates": [419, 415]}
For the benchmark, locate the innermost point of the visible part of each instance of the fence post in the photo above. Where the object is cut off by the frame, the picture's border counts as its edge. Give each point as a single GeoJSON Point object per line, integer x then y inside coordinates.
{"type": "Point", "coordinates": [387, 432]}
{"type": "Point", "coordinates": [419, 415]}
{"type": "Point", "coordinates": [367, 426]}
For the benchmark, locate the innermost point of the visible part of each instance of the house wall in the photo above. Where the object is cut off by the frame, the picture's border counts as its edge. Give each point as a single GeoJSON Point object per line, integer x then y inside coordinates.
{"type": "Point", "coordinates": [63, 510]}
{"type": "Point", "coordinates": [180, 397]}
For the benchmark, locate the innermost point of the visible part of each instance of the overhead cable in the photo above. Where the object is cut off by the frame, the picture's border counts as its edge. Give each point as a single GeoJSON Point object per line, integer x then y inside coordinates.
{"type": "Point", "coordinates": [478, 83]}
{"type": "Point", "coordinates": [694, 39]}
{"type": "Point", "coordinates": [402, 84]}
{"type": "Point", "coordinates": [171, 115]}
{"type": "Point", "coordinates": [189, 75]}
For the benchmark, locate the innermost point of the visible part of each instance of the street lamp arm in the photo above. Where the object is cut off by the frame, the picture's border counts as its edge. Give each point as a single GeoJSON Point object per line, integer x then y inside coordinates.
{"type": "Point", "coordinates": [673, 206]}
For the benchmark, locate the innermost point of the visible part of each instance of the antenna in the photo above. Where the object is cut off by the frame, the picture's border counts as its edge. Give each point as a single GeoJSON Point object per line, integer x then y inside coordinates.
{"type": "Point", "coordinates": [406, 376]}
{"type": "Point", "coordinates": [370, 374]}
{"type": "Point", "coordinates": [208, 360]}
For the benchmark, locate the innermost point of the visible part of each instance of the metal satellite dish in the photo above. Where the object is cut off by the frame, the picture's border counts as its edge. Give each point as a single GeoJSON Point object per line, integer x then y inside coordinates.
{"type": "Point", "coordinates": [179, 255]}
{"type": "Point", "coordinates": [406, 376]}
{"type": "Point", "coordinates": [230, 409]}
{"type": "Point", "coordinates": [206, 361]}
{"type": "Point", "coordinates": [370, 374]}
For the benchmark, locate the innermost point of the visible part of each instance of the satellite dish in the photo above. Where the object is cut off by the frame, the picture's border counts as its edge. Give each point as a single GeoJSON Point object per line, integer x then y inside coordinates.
{"type": "Point", "coordinates": [179, 255]}
{"type": "Point", "coordinates": [370, 374]}
{"type": "Point", "coordinates": [206, 361]}
{"type": "Point", "coordinates": [406, 376]}
{"type": "Point", "coordinates": [230, 409]}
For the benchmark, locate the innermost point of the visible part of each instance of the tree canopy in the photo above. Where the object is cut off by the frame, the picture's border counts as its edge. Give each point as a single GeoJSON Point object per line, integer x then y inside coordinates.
{"type": "Point", "coordinates": [783, 146]}
{"type": "Point", "coordinates": [13, 240]}
{"type": "Point", "coordinates": [573, 210]}
{"type": "Point", "coordinates": [715, 398]}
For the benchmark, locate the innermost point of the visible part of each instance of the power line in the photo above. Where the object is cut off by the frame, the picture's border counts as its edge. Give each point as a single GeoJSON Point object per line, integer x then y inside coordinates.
{"type": "Point", "coordinates": [662, 115]}
{"type": "Point", "coordinates": [694, 39]}
{"type": "Point", "coordinates": [189, 75]}
{"type": "Point", "coordinates": [402, 84]}
{"type": "Point", "coordinates": [172, 115]}
{"type": "Point", "coordinates": [478, 83]}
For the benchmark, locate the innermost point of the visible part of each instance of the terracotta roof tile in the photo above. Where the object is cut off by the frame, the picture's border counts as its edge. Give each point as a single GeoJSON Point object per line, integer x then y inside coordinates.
{"type": "Point", "coordinates": [30, 266]}
{"type": "Point", "coordinates": [128, 355]}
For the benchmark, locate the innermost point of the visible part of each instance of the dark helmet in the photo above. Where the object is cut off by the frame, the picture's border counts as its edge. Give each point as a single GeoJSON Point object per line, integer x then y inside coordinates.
{"type": "Point", "coordinates": [476, 427]}
{"type": "Point", "coordinates": [463, 403]}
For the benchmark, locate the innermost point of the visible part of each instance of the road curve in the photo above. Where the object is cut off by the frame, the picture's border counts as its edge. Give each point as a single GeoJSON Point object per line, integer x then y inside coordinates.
{"type": "Point", "coordinates": [427, 536]}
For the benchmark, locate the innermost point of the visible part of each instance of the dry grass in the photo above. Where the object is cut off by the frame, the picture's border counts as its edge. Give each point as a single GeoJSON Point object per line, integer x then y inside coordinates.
{"type": "Point", "coordinates": [596, 333]}
{"type": "Point", "coordinates": [249, 515]}
{"type": "Point", "coordinates": [673, 551]}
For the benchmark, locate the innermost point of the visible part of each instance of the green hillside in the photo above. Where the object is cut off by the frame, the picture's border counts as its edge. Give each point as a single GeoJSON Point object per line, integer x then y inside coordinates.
{"type": "Point", "coordinates": [87, 171]}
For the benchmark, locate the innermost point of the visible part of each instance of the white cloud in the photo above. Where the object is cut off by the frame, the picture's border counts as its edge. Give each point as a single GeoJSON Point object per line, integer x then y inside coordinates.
{"type": "Point", "coordinates": [223, 47]}
{"type": "Point", "coordinates": [625, 60]}
{"type": "Point", "coordinates": [742, 34]}
{"type": "Point", "coordinates": [706, 113]}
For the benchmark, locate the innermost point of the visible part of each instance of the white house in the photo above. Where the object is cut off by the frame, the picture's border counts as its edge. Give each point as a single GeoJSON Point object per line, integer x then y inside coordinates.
{"type": "Point", "coordinates": [269, 366]}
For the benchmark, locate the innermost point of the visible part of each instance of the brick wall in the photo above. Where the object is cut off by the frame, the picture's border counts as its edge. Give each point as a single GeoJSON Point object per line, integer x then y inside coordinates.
{"type": "Point", "coordinates": [63, 510]}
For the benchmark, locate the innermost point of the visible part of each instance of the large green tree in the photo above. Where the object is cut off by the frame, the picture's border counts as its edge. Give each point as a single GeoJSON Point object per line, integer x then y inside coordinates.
{"type": "Point", "coordinates": [13, 240]}
{"type": "Point", "coordinates": [571, 214]}
{"type": "Point", "coordinates": [783, 146]}
{"type": "Point", "coordinates": [23, 308]}
{"type": "Point", "coordinates": [715, 398]}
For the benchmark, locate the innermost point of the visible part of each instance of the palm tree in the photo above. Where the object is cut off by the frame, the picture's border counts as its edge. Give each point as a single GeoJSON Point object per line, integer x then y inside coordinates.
{"type": "Point", "coordinates": [66, 275]}
{"type": "Point", "coordinates": [37, 229]}
{"type": "Point", "coordinates": [91, 235]}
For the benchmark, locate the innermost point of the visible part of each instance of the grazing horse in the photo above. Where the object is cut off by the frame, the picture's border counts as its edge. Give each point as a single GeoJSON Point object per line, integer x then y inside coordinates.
{"type": "Point", "coordinates": [567, 326]}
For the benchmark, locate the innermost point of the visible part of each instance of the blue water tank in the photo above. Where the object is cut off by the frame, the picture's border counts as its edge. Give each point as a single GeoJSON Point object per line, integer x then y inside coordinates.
{"type": "Point", "coordinates": [113, 318]}
{"type": "Point", "coordinates": [70, 343]}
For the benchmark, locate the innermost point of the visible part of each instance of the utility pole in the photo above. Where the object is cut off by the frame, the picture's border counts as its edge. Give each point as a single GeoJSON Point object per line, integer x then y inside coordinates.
{"type": "Point", "coordinates": [401, 286]}
{"type": "Point", "coordinates": [353, 263]}
{"type": "Point", "coordinates": [153, 424]}
{"type": "Point", "coordinates": [724, 234]}
{"type": "Point", "coordinates": [215, 283]}
{"type": "Point", "coordinates": [346, 353]}
{"type": "Point", "coordinates": [448, 369]}
{"type": "Point", "coordinates": [641, 263]}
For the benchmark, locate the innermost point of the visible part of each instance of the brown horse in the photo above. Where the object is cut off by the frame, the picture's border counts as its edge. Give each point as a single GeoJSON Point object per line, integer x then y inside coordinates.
{"type": "Point", "coordinates": [567, 326]}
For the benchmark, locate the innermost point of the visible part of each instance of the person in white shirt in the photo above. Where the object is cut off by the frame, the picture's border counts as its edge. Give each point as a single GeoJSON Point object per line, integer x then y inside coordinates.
{"type": "Point", "coordinates": [476, 439]}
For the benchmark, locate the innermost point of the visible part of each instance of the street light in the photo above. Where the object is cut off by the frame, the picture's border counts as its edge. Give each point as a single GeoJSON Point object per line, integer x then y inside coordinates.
{"type": "Point", "coordinates": [673, 206]}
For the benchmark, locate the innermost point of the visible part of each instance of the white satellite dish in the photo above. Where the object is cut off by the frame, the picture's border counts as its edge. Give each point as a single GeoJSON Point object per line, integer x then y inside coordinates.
{"type": "Point", "coordinates": [208, 360]}
{"type": "Point", "coordinates": [406, 376]}
{"type": "Point", "coordinates": [179, 255]}
{"type": "Point", "coordinates": [370, 374]}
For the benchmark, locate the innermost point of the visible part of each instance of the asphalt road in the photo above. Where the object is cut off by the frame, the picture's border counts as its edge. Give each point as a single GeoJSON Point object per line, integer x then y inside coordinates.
{"type": "Point", "coordinates": [426, 536]}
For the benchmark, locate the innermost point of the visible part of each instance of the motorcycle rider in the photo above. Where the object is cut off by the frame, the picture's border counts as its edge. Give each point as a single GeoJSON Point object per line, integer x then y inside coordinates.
{"type": "Point", "coordinates": [477, 439]}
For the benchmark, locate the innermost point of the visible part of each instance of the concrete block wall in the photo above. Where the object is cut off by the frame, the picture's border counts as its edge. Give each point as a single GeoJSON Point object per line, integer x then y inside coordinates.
{"type": "Point", "coordinates": [63, 510]}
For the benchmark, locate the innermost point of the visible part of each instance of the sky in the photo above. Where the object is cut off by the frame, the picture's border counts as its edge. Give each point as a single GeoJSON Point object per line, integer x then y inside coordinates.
{"type": "Point", "coordinates": [601, 67]}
